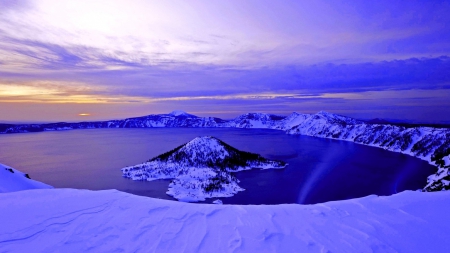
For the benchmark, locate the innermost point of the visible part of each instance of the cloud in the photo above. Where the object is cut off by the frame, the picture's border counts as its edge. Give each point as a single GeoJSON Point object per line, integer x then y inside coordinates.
{"type": "Point", "coordinates": [236, 53]}
{"type": "Point", "coordinates": [115, 76]}
{"type": "Point", "coordinates": [233, 33]}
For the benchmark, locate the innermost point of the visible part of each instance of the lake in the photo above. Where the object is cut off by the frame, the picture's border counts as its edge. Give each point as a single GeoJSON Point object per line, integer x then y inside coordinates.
{"type": "Point", "coordinates": [319, 169]}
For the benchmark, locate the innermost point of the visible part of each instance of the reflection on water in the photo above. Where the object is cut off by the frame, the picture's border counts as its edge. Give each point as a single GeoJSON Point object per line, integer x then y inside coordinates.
{"type": "Point", "coordinates": [319, 170]}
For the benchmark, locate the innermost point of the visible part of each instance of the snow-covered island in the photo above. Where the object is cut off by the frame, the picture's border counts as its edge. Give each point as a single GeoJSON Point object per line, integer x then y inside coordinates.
{"type": "Point", "coordinates": [201, 168]}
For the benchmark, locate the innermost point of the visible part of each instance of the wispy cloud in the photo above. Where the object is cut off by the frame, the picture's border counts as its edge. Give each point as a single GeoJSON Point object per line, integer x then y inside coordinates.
{"type": "Point", "coordinates": [238, 54]}
{"type": "Point", "coordinates": [112, 77]}
{"type": "Point", "coordinates": [249, 34]}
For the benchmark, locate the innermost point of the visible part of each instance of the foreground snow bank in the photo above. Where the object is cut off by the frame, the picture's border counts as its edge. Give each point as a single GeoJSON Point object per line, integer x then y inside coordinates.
{"type": "Point", "coordinates": [13, 180]}
{"type": "Point", "coordinates": [112, 221]}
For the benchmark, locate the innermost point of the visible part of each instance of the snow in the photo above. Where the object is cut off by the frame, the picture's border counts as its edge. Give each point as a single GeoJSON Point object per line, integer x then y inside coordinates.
{"type": "Point", "coordinates": [196, 169]}
{"type": "Point", "coordinates": [190, 187]}
{"type": "Point", "coordinates": [256, 120]}
{"type": "Point", "coordinates": [292, 120]}
{"type": "Point", "coordinates": [13, 180]}
{"type": "Point", "coordinates": [218, 202]}
{"type": "Point", "coordinates": [69, 220]}
{"type": "Point", "coordinates": [178, 113]}
{"type": "Point", "coordinates": [200, 146]}
{"type": "Point", "coordinates": [446, 160]}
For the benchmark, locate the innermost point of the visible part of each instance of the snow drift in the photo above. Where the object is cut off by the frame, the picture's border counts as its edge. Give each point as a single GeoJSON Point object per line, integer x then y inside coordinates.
{"type": "Point", "coordinates": [69, 220]}
{"type": "Point", "coordinates": [13, 180]}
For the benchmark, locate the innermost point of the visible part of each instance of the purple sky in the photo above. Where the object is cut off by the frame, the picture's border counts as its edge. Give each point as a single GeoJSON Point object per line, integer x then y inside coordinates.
{"type": "Point", "coordinates": [116, 59]}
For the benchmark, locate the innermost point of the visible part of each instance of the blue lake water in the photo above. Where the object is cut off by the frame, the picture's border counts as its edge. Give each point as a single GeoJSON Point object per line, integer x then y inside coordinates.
{"type": "Point", "coordinates": [319, 170]}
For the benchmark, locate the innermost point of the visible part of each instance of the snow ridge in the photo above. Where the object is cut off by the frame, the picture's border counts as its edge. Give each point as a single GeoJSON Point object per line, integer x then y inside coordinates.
{"type": "Point", "coordinates": [177, 113]}
{"type": "Point", "coordinates": [12, 180]}
{"type": "Point", "coordinates": [256, 120]}
{"type": "Point", "coordinates": [201, 168]}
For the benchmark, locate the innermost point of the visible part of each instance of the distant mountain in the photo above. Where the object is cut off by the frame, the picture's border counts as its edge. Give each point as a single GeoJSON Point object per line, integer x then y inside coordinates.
{"type": "Point", "coordinates": [429, 142]}
{"type": "Point", "coordinates": [407, 124]}
{"type": "Point", "coordinates": [200, 168]}
{"type": "Point", "coordinates": [173, 119]}
{"type": "Point", "coordinates": [378, 121]}
{"type": "Point", "coordinates": [256, 120]}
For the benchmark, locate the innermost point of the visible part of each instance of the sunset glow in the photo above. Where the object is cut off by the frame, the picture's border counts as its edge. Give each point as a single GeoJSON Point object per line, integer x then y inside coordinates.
{"type": "Point", "coordinates": [230, 57]}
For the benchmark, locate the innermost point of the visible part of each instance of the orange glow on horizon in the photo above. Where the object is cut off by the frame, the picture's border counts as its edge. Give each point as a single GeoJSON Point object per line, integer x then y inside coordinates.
{"type": "Point", "coordinates": [84, 114]}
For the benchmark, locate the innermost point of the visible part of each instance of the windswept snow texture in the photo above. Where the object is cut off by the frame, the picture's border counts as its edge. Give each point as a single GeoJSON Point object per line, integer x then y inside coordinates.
{"type": "Point", "coordinates": [427, 143]}
{"type": "Point", "coordinates": [201, 168]}
{"type": "Point", "coordinates": [69, 220]}
{"type": "Point", "coordinates": [12, 180]}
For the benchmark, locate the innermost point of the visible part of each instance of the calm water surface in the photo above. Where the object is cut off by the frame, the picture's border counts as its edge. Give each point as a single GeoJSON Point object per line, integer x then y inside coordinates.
{"type": "Point", "coordinates": [319, 170]}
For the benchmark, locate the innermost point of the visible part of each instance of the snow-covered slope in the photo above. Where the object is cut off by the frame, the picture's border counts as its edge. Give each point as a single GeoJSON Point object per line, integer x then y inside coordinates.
{"type": "Point", "coordinates": [200, 168]}
{"type": "Point", "coordinates": [181, 113]}
{"type": "Point", "coordinates": [12, 180]}
{"type": "Point", "coordinates": [292, 120]}
{"type": "Point", "coordinates": [69, 220]}
{"type": "Point", "coordinates": [256, 120]}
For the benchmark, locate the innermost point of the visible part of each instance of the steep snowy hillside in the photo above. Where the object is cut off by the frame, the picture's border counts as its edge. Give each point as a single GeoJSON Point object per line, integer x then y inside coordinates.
{"type": "Point", "coordinates": [292, 120]}
{"type": "Point", "coordinates": [430, 144]}
{"type": "Point", "coordinates": [256, 120]}
{"type": "Point", "coordinates": [69, 220]}
{"type": "Point", "coordinates": [441, 180]}
{"type": "Point", "coordinates": [13, 180]}
{"type": "Point", "coordinates": [181, 113]}
{"type": "Point", "coordinates": [200, 168]}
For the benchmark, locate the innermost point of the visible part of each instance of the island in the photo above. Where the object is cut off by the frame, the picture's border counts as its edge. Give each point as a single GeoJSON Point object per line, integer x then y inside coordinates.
{"type": "Point", "coordinates": [202, 168]}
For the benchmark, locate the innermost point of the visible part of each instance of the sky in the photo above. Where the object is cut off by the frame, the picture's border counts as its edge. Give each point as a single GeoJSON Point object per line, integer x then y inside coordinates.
{"type": "Point", "coordinates": [63, 60]}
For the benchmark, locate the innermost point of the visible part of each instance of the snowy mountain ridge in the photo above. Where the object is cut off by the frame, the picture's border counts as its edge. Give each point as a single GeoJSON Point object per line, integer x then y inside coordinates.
{"type": "Point", "coordinates": [256, 120]}
{"type": "Point", "coordinates": [200, 169]}
{"type": "Point", "coordinates": [180, 113]}
{"type": "Point", "coordinates": [427, 143]}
